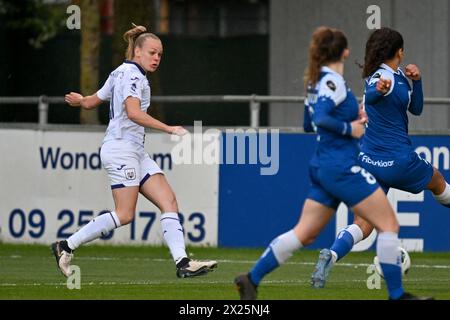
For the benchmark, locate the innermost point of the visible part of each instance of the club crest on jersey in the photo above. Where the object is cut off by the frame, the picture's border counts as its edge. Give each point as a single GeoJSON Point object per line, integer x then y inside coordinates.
{"type": "Point", "coordinates": [376, 75]}
{"type": "Point", "coordinates": [130, 174]}
{"type": "Point", "coordinates": [331, 85]}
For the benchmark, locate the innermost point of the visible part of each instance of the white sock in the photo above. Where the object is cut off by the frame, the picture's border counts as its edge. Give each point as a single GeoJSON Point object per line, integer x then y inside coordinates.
{"type": "Point", "coordinates": [388, 248]}
{"type": "Point", "coordinates": [444, 197]}
{"type": "Point", "coordinates": [173, 235]}
{"type": "Point", "coordinates": [97, 227]}
{"type": "Point", "coordinates": [284, 246]}
{"type": "Point", "coordinates": [333, 257]}
{"type": "Point", "coordinates": [356, 233]}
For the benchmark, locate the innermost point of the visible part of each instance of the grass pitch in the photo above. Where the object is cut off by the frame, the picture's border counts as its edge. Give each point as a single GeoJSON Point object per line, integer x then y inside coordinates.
{"type": "Point", "coordinates": [143, 272]}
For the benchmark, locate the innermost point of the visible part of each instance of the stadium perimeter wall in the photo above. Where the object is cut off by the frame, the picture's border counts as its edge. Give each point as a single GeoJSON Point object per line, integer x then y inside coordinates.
{"type": "Point", "coordinates": [425, 26]}
{"type": "Point", "coordinates": [53, 183]}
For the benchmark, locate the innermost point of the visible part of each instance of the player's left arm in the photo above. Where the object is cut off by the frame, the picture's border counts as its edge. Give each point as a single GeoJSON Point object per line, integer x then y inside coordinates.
{"type": "Point", "coordinates": [416, 104]}
{"type": "Point", "coordinates": [135, 114]}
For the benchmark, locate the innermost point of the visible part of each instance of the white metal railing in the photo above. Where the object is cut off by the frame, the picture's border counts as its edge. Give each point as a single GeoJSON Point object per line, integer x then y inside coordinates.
{"type": "Point", "coordinates": [254, 101]}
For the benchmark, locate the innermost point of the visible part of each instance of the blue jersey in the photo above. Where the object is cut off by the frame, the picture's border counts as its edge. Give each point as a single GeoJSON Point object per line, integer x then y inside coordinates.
{"type": "Point", "coordinates": [387, 131]}
{"type": "Point", "coordinates": [334, 172]}
{"type": "Point", "coordinates": [330, 106]}
{"type": "Point", "coordinates": [387, 150]}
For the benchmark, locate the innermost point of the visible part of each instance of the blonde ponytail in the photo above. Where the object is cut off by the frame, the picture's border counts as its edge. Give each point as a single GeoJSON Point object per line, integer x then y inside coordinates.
{"type": "Point", "coordinates": [136, 38]}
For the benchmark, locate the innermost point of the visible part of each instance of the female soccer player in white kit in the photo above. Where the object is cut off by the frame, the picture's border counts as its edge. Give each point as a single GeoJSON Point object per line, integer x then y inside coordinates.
{"type": "Point", "coordinates": [129, 167]}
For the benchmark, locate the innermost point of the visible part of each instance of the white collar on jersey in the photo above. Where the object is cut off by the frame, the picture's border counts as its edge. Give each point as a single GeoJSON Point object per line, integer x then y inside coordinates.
{"type": "Point", "coordinates": [385, 66]}
{"type": "Point", "coordinates": [137, 65]}
{"type": "Point", "coordinates": [329, 70]}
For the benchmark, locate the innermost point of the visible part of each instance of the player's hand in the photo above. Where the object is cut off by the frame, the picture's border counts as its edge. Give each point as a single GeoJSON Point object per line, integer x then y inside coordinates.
{"type": "Point", "coordinates": [178, 130]}
{"type": "Point", "coordinates": [358, 128]}
{"type": "Point", "coordinates": [412, 72]}
{"type": "Point", "coordinates": [73, 99]}
{"type": "Point", "coordinates": [383, 86]}
{"type": "Point", "coordinates": [362, 115]}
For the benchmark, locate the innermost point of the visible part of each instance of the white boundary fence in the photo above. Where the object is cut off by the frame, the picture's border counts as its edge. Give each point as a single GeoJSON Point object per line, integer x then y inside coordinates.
{"type": "Point", "coordinates": [254, 102]}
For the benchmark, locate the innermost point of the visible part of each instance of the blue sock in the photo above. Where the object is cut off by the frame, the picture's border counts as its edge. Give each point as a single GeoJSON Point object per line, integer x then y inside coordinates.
{"type": "Point", "coordinates": [266, 263]}
{"type": "Point", "coordinates": [280, 249]}
{"type": "Point", "coordinates": [343, 244]}
{"type": "Point", "coordinates": [393, 276]}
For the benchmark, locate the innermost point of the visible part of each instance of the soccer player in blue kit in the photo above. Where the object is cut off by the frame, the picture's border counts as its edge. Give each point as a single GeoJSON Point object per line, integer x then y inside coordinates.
{"type": "Point", "coordinates": [334, 171]}
{"type": "Point", "coordinates": [386, 149]}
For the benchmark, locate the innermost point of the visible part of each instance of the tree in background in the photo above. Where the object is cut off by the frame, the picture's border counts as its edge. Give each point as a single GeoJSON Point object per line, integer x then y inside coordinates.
{"type": "Point", "coordinates": [139, 12]}
{"type": "Point", "coordinates": [89, 54]}
{"type": "Point", "coordinates": [40, 21]}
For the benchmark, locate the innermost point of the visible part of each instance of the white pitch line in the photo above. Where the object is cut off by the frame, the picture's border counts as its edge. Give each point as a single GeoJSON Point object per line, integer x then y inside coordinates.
{"type": "Point", "coordinates": [350, 265]}
{"type": "Point", "coordinates": [340, 264]}
{"type": "Point", "coordinates": [158, 282]}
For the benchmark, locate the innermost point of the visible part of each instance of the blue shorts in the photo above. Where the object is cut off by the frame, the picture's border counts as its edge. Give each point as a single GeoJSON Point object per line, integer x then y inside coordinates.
{"type": "Point", "coordinates": [332, 185]}
{"type": "Point", "coordinates": [409, 173]}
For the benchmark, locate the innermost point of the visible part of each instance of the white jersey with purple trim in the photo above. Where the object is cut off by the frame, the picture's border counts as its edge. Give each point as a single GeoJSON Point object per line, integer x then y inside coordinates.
{"type": "Point", "coordinates": [128, 80]}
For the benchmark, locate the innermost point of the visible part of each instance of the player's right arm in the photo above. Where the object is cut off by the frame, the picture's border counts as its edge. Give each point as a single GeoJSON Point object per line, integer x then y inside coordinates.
{"type": "Point", "coordinates": [380, 84]}
{"type": "Point", "coordinates": [307, 122]}
{"type": "Point", "coordinates": [75, 99]}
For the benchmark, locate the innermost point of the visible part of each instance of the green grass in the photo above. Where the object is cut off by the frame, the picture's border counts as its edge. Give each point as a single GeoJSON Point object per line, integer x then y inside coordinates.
{"type": "Point", "coordinates": [142, 272]}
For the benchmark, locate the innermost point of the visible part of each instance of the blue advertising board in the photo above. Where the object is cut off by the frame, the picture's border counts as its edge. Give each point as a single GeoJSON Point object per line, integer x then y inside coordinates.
{"type": "Point", "coordinates": [255, 208]}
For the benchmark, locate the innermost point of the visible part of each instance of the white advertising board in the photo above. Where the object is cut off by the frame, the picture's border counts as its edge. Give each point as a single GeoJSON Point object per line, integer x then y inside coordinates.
{"type": "Point", "coordinates": [52, 183]}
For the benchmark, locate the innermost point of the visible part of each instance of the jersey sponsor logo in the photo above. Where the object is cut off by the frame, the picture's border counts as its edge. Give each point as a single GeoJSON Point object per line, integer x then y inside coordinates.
{"type": "Point", "coordinates": [331, 85]}
{"type": "Point", "coordinates": [130, 173]}
{"type": "Point", "coordinates": [121, 167]}
{"type": "Point", "coordinates": [377, 163]}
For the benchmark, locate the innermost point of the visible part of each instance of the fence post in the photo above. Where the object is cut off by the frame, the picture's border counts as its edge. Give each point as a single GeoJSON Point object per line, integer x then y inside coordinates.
{"type": "Point", "coordinates": [43, 110]}
{"type": "Point", "coordinates": [255, 107]}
